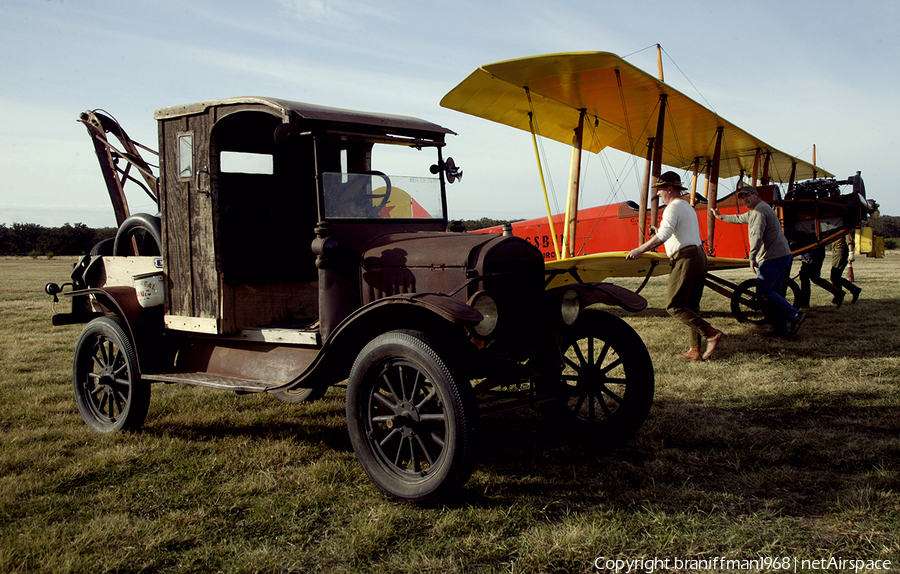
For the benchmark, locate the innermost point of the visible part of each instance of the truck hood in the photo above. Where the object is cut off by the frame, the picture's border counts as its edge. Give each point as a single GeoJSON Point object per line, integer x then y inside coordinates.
{"type": "Point", "coordinates": [425, 249]}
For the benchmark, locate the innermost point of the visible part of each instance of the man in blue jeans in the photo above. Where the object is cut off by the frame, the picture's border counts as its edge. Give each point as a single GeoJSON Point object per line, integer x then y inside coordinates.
{"type": "Point", "coordinates": [770, 259]}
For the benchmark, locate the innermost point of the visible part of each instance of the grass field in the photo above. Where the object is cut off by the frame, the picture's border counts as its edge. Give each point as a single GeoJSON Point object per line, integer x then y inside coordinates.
{"type": "Point", "coordinates": [774, 450]}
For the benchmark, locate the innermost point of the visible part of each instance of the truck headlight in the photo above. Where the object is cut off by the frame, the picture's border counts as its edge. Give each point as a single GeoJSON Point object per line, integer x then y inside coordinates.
{"type": "Point", "coordinates": [570, 306]}
{"type": "Point", "coordinates": [484, 303]}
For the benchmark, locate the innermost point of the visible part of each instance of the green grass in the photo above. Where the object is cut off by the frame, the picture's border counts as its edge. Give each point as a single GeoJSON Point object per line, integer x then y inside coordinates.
{"type": "Point", "coordinates": [784, 448]}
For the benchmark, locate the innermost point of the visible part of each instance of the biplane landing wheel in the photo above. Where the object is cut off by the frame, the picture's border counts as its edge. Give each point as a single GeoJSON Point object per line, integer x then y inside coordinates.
{"type": "Point", "coordinates": [109, 391]}
{"type": "Point", "coordinates": [748, 308]}
{"type": "Point", "coordinates": [410, 420]}
{"type": "Point", "coordinates": [606, 383]}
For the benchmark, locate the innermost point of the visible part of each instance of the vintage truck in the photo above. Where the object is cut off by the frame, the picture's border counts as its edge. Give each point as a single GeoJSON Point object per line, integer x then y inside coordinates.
{"type": "Point", "coordinates": [285, 260]}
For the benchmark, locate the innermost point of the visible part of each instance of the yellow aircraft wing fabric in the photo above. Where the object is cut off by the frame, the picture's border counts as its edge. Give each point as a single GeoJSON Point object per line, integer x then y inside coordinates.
{"type": "Point", "coordinates": [599, 267]}
{"type": "Point", "coordinates": [621, 102]}
{"type": "Point", "coordinates": [719, 263]}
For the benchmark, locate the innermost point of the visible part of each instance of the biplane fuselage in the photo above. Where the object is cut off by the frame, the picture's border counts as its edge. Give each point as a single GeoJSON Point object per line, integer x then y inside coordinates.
{"type": "Point", "coordinates": [615, 228]}
{"type": "Point", "coordinates": [807, 222]}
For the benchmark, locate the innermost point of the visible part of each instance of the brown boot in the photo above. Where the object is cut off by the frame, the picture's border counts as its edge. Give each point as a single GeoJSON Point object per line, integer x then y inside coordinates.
{"type": "Point", "coordinates": [713, 338]}
{"type": "Point", "coordinates": [693, 354]}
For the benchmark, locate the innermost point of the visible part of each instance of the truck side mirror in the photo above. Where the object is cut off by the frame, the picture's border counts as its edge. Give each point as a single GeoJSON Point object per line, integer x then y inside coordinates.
{"type": "Point", "coordinates": [449, 167]}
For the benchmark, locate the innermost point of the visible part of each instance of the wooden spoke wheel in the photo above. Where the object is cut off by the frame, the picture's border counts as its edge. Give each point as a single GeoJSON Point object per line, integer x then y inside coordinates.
{"type": "Point", "coordinates": [410, 420]}
{"type": "Point", "coordinates": [109, 391]}
{"type": "Point", "coordinates": [747, 307]}
{"type": "Point", "coordinates": [606, 382]}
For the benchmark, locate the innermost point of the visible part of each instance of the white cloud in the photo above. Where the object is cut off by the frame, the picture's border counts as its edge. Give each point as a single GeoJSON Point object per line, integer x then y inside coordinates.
{"type": "Point", "coordinates": [337, 13]}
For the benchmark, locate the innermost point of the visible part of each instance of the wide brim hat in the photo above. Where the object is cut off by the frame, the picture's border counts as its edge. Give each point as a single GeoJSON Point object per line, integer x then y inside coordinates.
{"type": "Point", "coordinates": [669, 178]}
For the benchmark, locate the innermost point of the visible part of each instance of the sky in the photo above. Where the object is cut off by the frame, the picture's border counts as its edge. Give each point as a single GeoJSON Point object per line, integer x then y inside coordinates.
{"type": "Point", "coordinates": [793, 73]}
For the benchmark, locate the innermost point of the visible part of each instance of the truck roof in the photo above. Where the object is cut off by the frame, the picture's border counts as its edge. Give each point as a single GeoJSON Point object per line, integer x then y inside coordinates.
{"type": "Point", "coordinates": [287, 108]}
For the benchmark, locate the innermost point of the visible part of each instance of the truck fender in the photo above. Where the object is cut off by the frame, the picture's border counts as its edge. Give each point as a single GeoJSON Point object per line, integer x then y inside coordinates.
{"type": "Point", "coordinates": [363, 324]}
{"type": "Point", "coordinates": [140, 323]}
{"type": "Point", "coordinates": [606, 293]}
{"type": "Point", "coordinates": [447, 308]}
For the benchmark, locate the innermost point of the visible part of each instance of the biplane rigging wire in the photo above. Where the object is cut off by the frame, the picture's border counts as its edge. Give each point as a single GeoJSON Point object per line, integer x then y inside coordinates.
{"type": "Point", "coordinates": [778, 176]}
{"type": "Point", "coordinates": [631, 139]}
{"type": "Point", "coordinates": [679, 152]}
{"type": "Point", "coordinates": [540, 143]}
{"type": "Point", "coordinates": [806, 150]}
{"type": "Point", "coordinates": [625, 110]}
{"type": "Point", "coordinates": [685, 76]}
{"type": "Point", "coordinates": [534, 133]}
{"type": "Point", "coordinates": [659, 47]}
{"type": "Point", "coordinates": [613, 181]}
{"type": "Point", "coordinates": [633, 157]}
{"type": "Point", "coordinates": [688, 80]}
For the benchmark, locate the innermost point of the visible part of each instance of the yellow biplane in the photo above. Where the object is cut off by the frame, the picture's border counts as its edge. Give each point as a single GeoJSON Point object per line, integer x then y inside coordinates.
{"type": "Point", "coordinates": [597, 100]}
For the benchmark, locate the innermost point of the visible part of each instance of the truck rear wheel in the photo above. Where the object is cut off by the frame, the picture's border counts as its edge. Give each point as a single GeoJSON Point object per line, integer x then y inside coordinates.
{"type": "Point", "coordinates": [109, 391]}
{"type": "Point", "coordinates": [410, 421]}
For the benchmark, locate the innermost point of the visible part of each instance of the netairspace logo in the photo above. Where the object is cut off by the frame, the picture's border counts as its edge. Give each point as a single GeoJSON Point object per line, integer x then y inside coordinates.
{"type": "Point", "coordinates": [719, 563]}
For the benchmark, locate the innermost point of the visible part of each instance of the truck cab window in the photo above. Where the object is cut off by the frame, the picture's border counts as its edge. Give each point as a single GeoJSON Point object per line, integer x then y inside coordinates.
{"type": "Point", "coordinates": [241, 162]}
{"type": "Point", "coordinates": [186, 155]}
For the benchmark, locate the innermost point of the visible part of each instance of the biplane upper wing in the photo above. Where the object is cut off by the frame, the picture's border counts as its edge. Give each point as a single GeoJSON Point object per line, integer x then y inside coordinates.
{"type": "Point", "coordinates": [620, 101]}
{"type": "Point", "coordinates": [598, 267]}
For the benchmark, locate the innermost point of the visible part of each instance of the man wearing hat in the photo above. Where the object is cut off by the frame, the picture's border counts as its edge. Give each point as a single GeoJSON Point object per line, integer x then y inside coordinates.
{"type": "Point", "coordinates": [679, 231]}
{"type": "Point", "coordinates": [770, 258]}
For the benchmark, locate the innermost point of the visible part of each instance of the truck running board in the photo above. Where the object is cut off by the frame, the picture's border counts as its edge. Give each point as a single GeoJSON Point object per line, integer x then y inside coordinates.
{"type": "Point", "coordinates": [214, 381]}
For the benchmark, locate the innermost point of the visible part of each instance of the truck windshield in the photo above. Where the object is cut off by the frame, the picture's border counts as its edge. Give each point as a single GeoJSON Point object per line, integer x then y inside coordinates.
{"type": "Point", "coordinates": [374, 195]}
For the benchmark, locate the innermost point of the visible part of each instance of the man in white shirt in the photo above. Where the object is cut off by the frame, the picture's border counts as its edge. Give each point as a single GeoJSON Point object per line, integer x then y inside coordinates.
{"type": "Point", "coordinates": [679, 231]}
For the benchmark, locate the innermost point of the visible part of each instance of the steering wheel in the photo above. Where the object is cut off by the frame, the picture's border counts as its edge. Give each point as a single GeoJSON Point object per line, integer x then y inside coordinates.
{"type": "Point", "coordinates": [382, 197]}
{"type": "Point", "coordinates": [367, 205]}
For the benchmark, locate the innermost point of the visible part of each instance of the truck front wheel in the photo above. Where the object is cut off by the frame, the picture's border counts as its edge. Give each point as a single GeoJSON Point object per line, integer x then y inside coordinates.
{"type": "Point", "coordinates": [410, 421]}
{"type": "Point", "coordinates": [109, 391]}
{"type": "Point", "coordinates": [606, 382]}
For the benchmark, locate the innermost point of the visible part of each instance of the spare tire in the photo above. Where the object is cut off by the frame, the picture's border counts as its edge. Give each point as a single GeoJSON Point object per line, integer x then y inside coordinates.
{"type": "Point", "coordinates": [145, 231]}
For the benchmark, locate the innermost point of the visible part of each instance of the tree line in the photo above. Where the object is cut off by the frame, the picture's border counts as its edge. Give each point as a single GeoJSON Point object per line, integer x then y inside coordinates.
{"type": "Point", "coordinates": [39, 241]}
{"type": "Point", "coordinates": [36, 240]}
{"type": "Point", "coordinates": [886, 226]}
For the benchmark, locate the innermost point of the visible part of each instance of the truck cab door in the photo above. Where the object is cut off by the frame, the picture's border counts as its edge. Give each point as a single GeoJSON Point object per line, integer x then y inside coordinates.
{"type": "Point", "coordinates": [188, 211]}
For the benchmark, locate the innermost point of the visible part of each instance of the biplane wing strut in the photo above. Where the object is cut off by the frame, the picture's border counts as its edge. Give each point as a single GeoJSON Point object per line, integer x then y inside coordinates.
{"type": "Point", "coordinates": [543, 182]}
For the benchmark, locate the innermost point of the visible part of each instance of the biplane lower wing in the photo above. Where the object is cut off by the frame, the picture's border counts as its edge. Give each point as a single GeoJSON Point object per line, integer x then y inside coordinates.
{"type": "Point", "coordinates": [599, 267]}
{"type": "Point", "coordinates": [722, 263]}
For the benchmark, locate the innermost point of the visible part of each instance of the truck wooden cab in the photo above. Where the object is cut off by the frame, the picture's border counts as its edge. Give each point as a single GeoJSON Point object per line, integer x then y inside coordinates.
{"type": "Point", "coordinates": [287, 257]}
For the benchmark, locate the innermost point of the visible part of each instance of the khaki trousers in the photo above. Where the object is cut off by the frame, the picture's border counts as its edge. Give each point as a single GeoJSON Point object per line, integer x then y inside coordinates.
{"type": "Point", "coordinates": [686, 283]}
